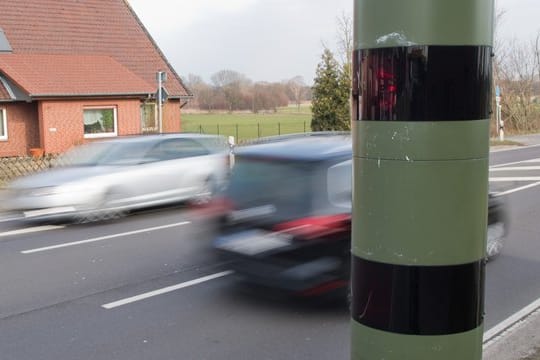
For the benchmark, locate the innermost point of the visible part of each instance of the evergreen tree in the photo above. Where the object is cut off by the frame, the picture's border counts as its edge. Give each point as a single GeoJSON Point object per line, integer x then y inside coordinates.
{"type": "Point", "coordinates": [331, 92]}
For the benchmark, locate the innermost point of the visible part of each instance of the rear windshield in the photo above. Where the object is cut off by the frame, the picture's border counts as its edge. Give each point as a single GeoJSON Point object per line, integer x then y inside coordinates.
{"type": "Point", "coordinates": [284, 185]}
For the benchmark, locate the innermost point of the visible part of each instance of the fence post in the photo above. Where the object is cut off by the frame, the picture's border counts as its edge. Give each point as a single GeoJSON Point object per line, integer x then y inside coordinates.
{"type": "Point", "coordinates": [218, 129]}
{"type": "Point", "coordinates": [304, 126]}
{"type": "Point", "coordinates": [279, 128]}
{"type": "Point", "coordinates": [237, 132]}
{"type": "Point", "coordinates": [200, 129]}
{"type": "Point", "coordinates": [258, 130]}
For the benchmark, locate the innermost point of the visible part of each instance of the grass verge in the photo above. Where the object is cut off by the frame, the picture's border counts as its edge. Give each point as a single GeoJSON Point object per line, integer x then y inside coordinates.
{"type": "Point", "coordinates": [494, 142]}
{"type": "Point", "coordinates": [244, 126]}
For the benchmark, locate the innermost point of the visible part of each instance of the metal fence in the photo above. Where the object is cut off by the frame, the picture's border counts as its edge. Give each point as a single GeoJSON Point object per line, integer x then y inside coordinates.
{"type": "Point", "coordinates": [13, 167]}
{"type": "Point", "coordinates": [245, 132]}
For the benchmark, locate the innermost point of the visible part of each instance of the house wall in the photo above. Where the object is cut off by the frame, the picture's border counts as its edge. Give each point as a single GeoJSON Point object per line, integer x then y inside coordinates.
{"type": "Point", "coordinates": [61, 122]}
{"type": "Point", "coordinates": [23, 129]}
{"type": "Point", "coordinates": [171, 116]}
{"type": "Point", "coordinates": [57, 125]}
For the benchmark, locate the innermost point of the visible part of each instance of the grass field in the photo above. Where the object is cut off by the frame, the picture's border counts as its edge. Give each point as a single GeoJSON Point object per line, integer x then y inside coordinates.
{"type": "Point", "coordinates": [245, 126]}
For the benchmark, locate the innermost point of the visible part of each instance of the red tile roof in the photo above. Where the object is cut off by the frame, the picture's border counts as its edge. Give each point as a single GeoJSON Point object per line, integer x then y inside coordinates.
{"type": "Point", "coordinates": [71, 75]}
{"type": "Point", "coordinates": [89, 27]}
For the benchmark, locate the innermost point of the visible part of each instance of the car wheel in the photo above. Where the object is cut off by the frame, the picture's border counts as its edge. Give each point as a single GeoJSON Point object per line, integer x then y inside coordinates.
{"type": "Point", "coordinates": [111, 208]}
{"type": "Point", "coordinates": [205, 193]}
{"type": "Point", "coordinates": [104, 209]}
{"type": "Point", "coordinates": [495, 240]}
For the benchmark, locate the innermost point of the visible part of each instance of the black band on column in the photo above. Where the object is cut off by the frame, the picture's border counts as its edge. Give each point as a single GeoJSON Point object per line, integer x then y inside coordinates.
{"type": "Point", "coordinates": [422, 83]}
{"type": "Point", "coordinates": [418, 300]}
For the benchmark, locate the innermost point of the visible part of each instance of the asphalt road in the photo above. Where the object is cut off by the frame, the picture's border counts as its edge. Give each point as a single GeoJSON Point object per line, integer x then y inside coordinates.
{"type": "Point", "coordinates": [146, 287]}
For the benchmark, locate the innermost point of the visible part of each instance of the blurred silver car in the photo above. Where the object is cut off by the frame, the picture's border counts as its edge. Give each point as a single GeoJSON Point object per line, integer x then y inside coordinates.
{"type": "Point", "coordinates": [108, 178]}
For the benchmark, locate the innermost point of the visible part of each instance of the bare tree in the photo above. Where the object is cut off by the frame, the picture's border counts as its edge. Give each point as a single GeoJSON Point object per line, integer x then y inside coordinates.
{"type": "Point", "coordinates": [537, 54]}
{"type": "Point", "coordinates": [517, 73]}
{"type": "Point", "coordinates": [268, 96]}
{"type": "Point", "coordinates": [344, 39]}
{"type": "Point", "coordinates": [230, 83]}
{"type": "Point", "coordinates": [297, 88]}
{"type": "Point", "coordinates": [196, 84]}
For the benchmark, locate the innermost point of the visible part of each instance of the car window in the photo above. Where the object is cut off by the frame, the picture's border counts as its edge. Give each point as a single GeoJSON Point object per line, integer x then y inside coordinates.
{"type": "Point", "coordinates": [85, 155]}
{"type": "Point", "coordinates": [215, 144]}
{"type": "Point", "coordinates": [106, 153]}
{"type": "Point", "coordinates": [286, 185]}
{"type": "Point", "coordinates": [176, 149]}
{"type": "Point", "coordinates": [340, 184]}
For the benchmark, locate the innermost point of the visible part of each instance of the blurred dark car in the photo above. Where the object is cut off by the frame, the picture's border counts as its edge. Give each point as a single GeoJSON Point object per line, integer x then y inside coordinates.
{"type": "Point", "coordinates": [288, 220]}
{"type": "Point", "coordinates": [105, 179]}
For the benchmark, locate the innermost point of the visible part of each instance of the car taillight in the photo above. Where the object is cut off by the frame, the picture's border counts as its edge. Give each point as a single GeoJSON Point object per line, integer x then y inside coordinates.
{"type": "Point", "coordinates": [317, 226]}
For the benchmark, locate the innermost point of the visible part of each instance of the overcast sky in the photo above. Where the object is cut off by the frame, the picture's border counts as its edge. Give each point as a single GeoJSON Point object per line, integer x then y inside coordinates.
{"type": "Point", "coordinates": [270, 40]}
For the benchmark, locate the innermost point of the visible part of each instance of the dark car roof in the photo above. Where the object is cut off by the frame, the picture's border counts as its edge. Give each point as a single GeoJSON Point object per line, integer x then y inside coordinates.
{"type": "Point", "coordinates": [305, 148]}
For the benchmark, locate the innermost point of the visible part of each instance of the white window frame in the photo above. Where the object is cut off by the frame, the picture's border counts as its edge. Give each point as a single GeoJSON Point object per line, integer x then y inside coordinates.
{"type": "Point", "coordinates": [104, 134]}
{"type": "Point", "coordinates": [150, 130]}
{"type": "Point", "coordinates": [3, 114]}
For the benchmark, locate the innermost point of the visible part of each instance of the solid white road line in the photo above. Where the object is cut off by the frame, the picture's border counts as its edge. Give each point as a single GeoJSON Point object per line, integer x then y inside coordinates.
{"type": "Point", "coordinates": [514, 178]}
{"type": "Point", "coordinates": [31, 230]}
{"type": "Point", "coordinates": [516, 162]}
{"type": "Point", "coordinates": [516, 148]}
{"type": "Point", "coordinates": [518, 189]}
{"type": "Point", "coordinates": [150, 294]}
{"type": "Point", "coordinates": [516, 168]}
{"type": "Point", "coordinates": [511, 322]}
{"type": "Point", "coordinates": [101, 238]}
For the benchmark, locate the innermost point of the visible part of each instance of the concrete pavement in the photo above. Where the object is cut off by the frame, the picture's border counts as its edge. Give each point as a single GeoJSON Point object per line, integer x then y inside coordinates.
{"type": "Point", "coordinates": [520, 341]}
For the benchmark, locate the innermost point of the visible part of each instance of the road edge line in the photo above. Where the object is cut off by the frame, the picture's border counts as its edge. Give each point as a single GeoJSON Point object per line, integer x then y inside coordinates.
{"type": "Point", "coordinates": [512, 322]}
{"type": "Point", "coordinates": [101, 238]}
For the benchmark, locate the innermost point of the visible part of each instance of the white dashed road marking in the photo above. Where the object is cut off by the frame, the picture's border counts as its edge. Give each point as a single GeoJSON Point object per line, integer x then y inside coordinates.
{"type": "Point", "coordinates": [30, 230]}
{"type": "Point", "coordinates": [101, 238]}
{"type": "Point", "coordinates": [165, 290]}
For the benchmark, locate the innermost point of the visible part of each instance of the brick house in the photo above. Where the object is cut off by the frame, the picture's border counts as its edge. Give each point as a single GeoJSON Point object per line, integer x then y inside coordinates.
{"type": "Point", "coordinates": [72, 71]}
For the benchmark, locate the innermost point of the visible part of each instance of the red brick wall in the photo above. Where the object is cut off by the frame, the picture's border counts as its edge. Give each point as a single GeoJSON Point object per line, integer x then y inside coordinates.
{"type": "Point", "coordinates": [22, 125]}
{"type": "Point", "coordinates": [57, 125]}
{"type": "Point", "coordinates": [62, 127]}
{"type": "Point", "coordinates": [171, 117]}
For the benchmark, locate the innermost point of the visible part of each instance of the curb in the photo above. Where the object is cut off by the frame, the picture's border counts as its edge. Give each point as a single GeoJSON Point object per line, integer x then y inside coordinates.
{"type": "Point", "coordinates": [520, 340]}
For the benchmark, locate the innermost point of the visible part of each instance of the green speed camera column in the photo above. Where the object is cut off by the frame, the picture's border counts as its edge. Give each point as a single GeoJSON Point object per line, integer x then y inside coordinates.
{"type": "Point", "coordinates": [421, 107]}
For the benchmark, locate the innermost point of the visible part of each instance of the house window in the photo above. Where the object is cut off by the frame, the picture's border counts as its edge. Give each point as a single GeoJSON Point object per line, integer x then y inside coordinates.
{"type": "Point", "coordinates": [100, 122]}
{"type": "Point", "coordinates": [148, 118]}
{"type": "Point", "coordinates": [3, 124]}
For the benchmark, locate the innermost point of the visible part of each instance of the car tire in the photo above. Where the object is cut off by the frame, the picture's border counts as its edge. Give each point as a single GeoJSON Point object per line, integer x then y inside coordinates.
{"type": "Point", "coordinates": [494, 244]}
{"type": "Point", "coordinates": [205, 193]}
{"type": "Point", "coordinates": [104, 209]}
